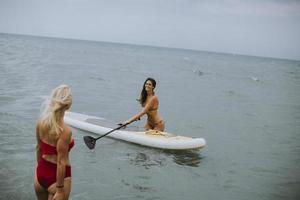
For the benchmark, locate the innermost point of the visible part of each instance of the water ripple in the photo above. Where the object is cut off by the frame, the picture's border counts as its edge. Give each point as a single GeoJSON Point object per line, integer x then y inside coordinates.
{"type": "Point", "coordinates": [187, 158]}
{"type": "Point", "coordinates": [147, 161]}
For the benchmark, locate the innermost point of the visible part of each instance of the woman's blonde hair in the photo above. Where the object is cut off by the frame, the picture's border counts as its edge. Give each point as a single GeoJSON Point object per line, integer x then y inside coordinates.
{"type": "Point", "coordinates": [59, 101]}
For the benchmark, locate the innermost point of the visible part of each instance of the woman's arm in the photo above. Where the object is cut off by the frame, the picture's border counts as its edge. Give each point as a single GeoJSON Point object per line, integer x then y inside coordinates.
{"type": "Point", "coordinates": [38, 150]}
{"type": "Point", "coordinates": [62, 160]}
{"type": "Point", "coordinates": [147, 107]}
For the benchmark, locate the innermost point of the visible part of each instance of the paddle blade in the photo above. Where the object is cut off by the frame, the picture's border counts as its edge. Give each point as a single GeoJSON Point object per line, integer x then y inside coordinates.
{"type": "Point", "coordinates": [89, 141]}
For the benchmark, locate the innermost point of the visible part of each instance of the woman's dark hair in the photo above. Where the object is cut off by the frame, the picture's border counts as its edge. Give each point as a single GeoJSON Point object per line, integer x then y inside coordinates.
{"type": "Point", "coordinates": [143, 96]}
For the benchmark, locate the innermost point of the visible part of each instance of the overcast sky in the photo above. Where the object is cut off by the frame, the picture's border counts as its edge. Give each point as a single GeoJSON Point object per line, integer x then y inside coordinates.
{"type": "Point", "coordinates": [268, 28]}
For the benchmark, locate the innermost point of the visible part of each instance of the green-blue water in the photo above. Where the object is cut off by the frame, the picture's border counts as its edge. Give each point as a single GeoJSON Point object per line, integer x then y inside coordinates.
{"type": "Point", "coordinates": [247, 109]}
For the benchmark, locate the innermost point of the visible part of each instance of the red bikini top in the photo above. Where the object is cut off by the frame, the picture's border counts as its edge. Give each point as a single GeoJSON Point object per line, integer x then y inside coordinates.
{"type": "Point", "coordinates": [51, 150]}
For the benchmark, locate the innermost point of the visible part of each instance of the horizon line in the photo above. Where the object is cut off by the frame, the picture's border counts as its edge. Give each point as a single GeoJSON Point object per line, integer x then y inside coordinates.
{"type": "Point", "coordinates": [151, 46]}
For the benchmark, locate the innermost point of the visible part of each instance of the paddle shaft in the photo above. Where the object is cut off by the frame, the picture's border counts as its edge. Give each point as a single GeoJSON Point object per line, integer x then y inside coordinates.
{"type": "Point", "coordinates": [113, 130]}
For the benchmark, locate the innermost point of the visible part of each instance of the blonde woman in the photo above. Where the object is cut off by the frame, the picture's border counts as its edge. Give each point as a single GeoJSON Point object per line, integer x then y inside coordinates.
{"type": "Point", "coordinates": [149, 102]}
{"type": "Point", "coordinates": [54, 141]}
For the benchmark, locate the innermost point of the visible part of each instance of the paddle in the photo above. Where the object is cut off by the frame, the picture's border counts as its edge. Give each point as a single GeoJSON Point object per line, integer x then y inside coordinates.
{"type": "Point", "coordinates": [91, 142]}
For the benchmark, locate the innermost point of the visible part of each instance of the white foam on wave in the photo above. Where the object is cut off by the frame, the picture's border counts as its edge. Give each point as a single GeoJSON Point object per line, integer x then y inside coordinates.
{"type": "Point", "coordinates": [255, 78]}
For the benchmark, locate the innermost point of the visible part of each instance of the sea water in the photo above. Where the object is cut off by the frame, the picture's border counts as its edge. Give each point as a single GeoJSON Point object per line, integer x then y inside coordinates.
{"type": "Point", "coordinates": [247, 108]}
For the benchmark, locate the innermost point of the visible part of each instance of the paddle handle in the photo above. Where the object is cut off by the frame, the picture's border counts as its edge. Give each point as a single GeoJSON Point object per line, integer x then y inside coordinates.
{"type": "Point", "coordinates": [113, 130]}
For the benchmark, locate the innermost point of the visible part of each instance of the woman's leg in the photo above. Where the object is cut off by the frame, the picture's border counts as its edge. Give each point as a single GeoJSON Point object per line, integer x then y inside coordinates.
{"type": "Point", "coordinates": [41, 193]}
{"type": "Point", "coordinates": [148, 126]}
{"type": "Point", "coordinates": [67, 188]}
{"type": "Point", "coordinates": [160, 126]}
{"type": "Point", "coordinates": [50, 196]}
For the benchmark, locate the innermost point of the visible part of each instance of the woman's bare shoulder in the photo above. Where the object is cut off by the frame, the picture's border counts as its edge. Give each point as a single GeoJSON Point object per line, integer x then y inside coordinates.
{"type": "Point", "coordinates": [154, 99]}
{"type": "Point", "coordinates": [37, 124]}
{"type": "Point", "coordinates": [66, 134]}
{"type": "Point", "coordinates": [68, 130]}
{"type": "Point", "coordinates": [39, 129]}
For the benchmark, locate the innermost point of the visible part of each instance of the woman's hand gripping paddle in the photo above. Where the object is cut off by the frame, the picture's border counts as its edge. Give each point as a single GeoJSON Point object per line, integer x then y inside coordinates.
{"type": "Point", "coordinates": [91, 142]}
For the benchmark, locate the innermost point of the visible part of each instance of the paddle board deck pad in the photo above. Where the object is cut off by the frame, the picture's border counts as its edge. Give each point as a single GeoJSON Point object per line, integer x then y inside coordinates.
{"type": "Point", "coordinates": [156, 139]}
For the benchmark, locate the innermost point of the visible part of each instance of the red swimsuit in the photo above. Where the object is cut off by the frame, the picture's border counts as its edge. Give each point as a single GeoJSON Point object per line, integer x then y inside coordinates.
{"type": "Point", "coordinates": [46, 171]}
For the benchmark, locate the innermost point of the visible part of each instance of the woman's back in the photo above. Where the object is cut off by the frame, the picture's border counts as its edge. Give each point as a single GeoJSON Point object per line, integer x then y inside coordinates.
{"type": "Point", "coordinates": [48, 141]}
